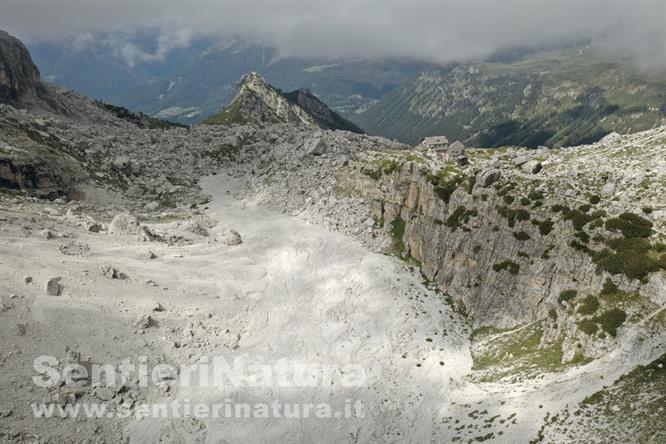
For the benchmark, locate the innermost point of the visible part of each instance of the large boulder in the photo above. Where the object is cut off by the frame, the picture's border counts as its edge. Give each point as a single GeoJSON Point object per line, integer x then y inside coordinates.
{"type": "Point", "coordinates": [521, 160]}
{"type": "Point", "coordinates": [532, 167]}
{"type": "Point", "coordinates": [488, 177]}
{"type": "Point", "coordinates": [608, 189]}
{"type": "Point", "coordinates": [315, 146]}
{"type": "Point", "coordinates": [231, 237]}
{"type": "Point", "coordinates": [53, 287]}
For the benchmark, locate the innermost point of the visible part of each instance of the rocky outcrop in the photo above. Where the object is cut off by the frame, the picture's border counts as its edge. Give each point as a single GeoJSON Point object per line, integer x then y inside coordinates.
{"type": "Point", "coordinates": [19, 77]}
{"type": "Point", "coordinates": [33, 165]}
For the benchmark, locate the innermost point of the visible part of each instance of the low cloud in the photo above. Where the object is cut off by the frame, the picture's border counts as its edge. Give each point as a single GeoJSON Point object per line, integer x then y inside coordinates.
{"type": "Point", "coordinates": [431, 31]}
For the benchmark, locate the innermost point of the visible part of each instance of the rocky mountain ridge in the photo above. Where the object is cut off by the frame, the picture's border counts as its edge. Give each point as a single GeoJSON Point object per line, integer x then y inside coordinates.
{"type": "Point", "coordinates": [258, 102]}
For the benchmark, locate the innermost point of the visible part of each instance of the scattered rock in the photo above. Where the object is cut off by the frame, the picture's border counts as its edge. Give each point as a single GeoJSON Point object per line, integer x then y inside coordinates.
{"type": "Point", "coordinates": [488, 177]}
{"type": "Point", "coordinates": [48, 234]}
{"type": "Point", "coordinates": [72, 248]}
{"type": "Point", "coordinates": [53, 287]}
{"type": "Point", "coordinates": [231, 237]}
{"type": "Point", "coordinates": [608, 189]}
{"type": "Point", "coordinates": [125, 223]}
{"type": "Point", "coordinates": [104, 393]}
{"type": "Point", "coordinates": [156, 306]}
{"type": "Point", "coordinates": [532, 167]}
{"type": "Point", "coordinates": [151, 255]}
{"type": "Point", "coordinates": [122, 165]}
{"type": "Point", "coordinates": [152, 206]}
{"type": "Point", "coordinates": [111, 272]}
{"type": "Point", "coordinates": [94, 227]}
{"type": "Point", "coordinates": [143, 321]}
{"type": "Point", "coordinates": [315, 146]}
{"type": "Point", "coordinates": [521, 160]}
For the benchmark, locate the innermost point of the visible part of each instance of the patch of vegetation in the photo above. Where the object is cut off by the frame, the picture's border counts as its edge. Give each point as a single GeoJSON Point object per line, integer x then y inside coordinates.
{"type": "Point", "coordinates": [445, 182]}
{"type": "Point", "coordinates": [525, 201]}
{"type": "Point", "coordinates": [471, 182]}
{"type": "Point", "coordinates": [546, 253]}
{"type": "Point", "coordinates": [611, 320]}
{"type": "Point", "coordinates": [514, 214]}
{"type": "Point", "coordinates": [411, 157]}
{"type": "Point", "coordinates": [381, 168]}
{"type": "Point", "coordinates": [511, 266]}
{"type": "Point", "coordinates": [631, 225]}
{"type": "Point", "coordinates": [566, 296]}
{"type": "Point", "coordinates": [632, 257]}
{"type": "Point", "coordinates": [589, 305]}
{"type": "Point", "coordinates": [545, 227]}
{"type": "Point", "coordinates": [594, 199]}
{"type": "Point", "coordinates": [585, 208]}
{"type": "Point", "coordinates": [535, 195]}
{"type": "Point", "coordinates": [588, 326]}
{"type": "Point", "coordinates": [459, 217]}
{"type": "Point", "coordinates": [608, 287]}
{"type": "Point", "coordinates": [521, 235]}
{"type": "Point", "coordinates": [508, 199]}
{"type": "Point", "coordinates": [397, 232]}
{"type": "Point", "coordinates": [577, 217]}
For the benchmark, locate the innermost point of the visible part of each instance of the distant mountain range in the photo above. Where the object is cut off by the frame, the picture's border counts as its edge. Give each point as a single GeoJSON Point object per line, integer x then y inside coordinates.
{"type": "Point", "coordinates": [564, 97]}
{"type": "Point", "coordinates": [189, 85]}
{"type": "Point", "coordinates": [519, 96]}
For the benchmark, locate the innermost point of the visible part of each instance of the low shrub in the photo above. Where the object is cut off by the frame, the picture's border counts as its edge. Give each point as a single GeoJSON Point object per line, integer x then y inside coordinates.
{"type": "Point", "coordinates": [594, 199]}
{"type": "Point", "coordinates": [609, 287]}
{"type": "Point", "coordinates": [545, 227]}
{"type": "Point", "coordinates": [521, 235]}
{"type": "Point", "coordinates": [588, 326]}
{"type": "Point", "coordinates": [611, 320]}
{"type": "Point", "coordinates": [512, 267]}
{"type": "Point", "coordinates": [566, 296]}
{"type": "Point", "coordinates": [535, 195]}
{"type": "Point", "coordinates": [588, 305]}
{"type": "Point", "coordinates": [459, 216]}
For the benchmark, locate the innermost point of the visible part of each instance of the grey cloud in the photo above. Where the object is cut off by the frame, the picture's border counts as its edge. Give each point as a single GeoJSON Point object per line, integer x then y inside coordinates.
{"type": "Point", "coordinates": [437, 31]}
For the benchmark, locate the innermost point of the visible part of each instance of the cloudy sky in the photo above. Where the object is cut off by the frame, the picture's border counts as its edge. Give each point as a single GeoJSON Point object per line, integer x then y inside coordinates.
{"type": "Point", "coordinates": [435, 30]}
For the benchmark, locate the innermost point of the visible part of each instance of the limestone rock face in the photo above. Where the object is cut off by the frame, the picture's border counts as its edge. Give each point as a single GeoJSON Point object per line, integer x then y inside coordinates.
{"type": "Point", "coordinates": [19, 77]}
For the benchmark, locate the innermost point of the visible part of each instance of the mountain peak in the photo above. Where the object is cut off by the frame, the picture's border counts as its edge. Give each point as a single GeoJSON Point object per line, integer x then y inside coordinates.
{"type": "Point", "coordinates": [256, 101]}
{"type": "Point", "coordinates": [19, 77]}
